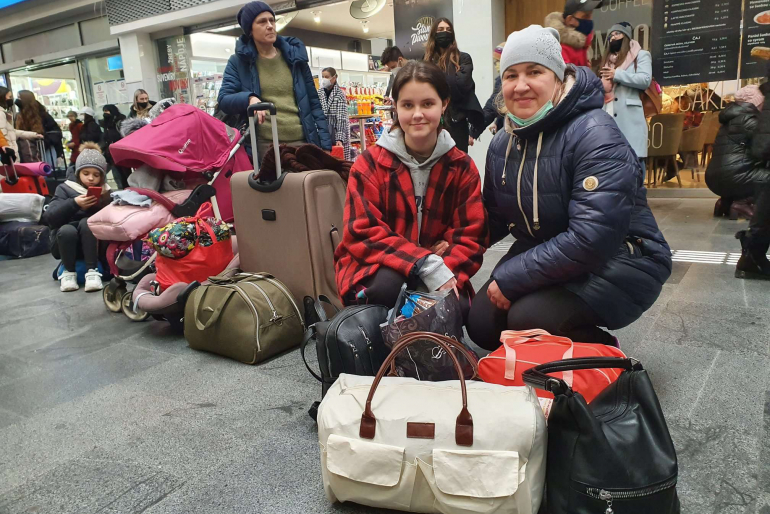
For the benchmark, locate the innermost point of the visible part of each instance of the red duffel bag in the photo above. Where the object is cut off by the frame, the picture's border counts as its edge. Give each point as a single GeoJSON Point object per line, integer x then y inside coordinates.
{"type": "Point", "coordinates": [526, 349]}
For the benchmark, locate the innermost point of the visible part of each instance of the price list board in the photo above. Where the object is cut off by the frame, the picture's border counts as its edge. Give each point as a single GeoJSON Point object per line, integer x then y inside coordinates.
{"type": "Point", "coordinates": [695, 40]}
{"type": "Point", "coordinates": [756, 39]}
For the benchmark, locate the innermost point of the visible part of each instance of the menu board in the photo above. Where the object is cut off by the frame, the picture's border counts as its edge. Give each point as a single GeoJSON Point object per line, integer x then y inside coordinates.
{"type": "Point", "coordinates": [755, 55]}
{"type": "Point", "coordinates": [696, 40]}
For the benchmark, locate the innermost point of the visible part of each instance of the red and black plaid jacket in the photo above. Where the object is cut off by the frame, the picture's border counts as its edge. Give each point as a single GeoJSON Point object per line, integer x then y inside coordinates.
{"type": "Point", "coordinates": [380, 225]}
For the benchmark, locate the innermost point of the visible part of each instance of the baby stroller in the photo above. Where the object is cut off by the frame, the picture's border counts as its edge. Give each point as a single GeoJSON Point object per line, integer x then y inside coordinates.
{"type": "Point", "coordinates": [183, 140]}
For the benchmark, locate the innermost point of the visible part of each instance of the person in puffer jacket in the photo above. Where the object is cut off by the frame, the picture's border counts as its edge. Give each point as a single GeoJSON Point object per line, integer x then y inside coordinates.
{"type": "Point", "coordinates": [565, 183]}
{"type": "Point", "coordinates": [735, 174]}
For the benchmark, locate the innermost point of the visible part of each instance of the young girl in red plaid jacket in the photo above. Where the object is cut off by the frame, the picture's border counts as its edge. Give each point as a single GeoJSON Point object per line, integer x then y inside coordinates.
{"type": "Point", "coordinates": [414, 212]}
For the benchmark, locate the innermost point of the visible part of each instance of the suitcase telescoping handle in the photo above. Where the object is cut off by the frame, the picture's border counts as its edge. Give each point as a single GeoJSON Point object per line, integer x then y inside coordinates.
{"type": "Point", "coordinates": [252, 115]}
{"type": "Point", "coordinates": [7, 161]}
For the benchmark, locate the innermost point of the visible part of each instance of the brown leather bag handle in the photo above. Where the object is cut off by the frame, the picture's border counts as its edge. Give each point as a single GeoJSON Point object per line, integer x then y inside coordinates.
{"type": "Point", "coordinates": [472, 359]}
{"type": "Point", "coordinates": [464, 424]}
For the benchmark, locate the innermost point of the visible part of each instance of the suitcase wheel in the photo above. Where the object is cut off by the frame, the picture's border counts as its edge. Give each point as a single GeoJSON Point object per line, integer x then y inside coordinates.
{"type": "Point", "coordinates": [113, 296]}
{"type": "Point", "coordinates": [128, 309]}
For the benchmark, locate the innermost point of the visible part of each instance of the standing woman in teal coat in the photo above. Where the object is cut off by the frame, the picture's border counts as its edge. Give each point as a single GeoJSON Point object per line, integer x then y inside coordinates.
{"type": "Point", "coordinates": [626, 73]}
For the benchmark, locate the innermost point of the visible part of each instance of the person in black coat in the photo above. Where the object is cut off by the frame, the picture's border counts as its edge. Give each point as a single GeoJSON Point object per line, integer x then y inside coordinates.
{"type": "Point", "coordinates": [112, 119]}
{"type": "Point", "coordinates": [67, 216]}
{"type": "Point", "coordinates": [90, 132]}
{"type": "Point", "coordinates": [491, 112]}
{"type": "Point", "coordinates": [33, 117]}
{"type": "Point", "coordinates": [563, 181]}
{"type": "Point", "coordinates": [466, 117]}
{"type": "Point", "coordinates": [738, 170]}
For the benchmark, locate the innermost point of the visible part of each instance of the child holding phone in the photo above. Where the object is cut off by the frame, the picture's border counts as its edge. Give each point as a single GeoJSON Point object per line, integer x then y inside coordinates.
{"type": "Point", "coordinates": [67, 216]}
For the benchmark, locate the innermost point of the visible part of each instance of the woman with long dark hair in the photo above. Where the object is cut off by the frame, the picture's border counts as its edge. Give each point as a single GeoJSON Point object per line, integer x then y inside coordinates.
{"type": "Point", "coordinates": [6, 123]}
{"type": "Point", "coordinates": [464, 117]}
{"type": "Point", "coordinates": [112, 119]}
{"type": "Point", "coordinates": [33, 117]}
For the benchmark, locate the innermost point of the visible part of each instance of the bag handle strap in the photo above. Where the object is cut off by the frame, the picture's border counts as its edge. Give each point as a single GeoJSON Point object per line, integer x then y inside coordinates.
{"type": "Point", "coordinates": [464, 423]}
{"type": "Point", "coordinates": [538, 376]}
{"type": "Point", "coordinates": [155, 197]}
{"type": "Point", "coordinates": [198, 300]}
{"type": "Point", "coordinates": [318, 306]}
{"type": "Point", "coordinates": [310, 334]}
{"type": "Point", "coordinates": [513, 338]}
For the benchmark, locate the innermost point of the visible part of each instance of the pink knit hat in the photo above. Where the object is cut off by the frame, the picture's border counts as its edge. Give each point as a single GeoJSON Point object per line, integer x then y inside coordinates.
{"type": "Point", "coordinates": [750, 94]}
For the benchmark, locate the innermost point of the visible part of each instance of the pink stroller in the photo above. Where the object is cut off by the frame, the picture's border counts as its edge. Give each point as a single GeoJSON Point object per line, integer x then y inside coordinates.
{"type": "Point", "coordinates": [182, 140]}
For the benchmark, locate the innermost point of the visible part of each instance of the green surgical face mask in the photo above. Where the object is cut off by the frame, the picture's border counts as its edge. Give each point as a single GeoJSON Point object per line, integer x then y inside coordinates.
{"type": "Point", "coordinates": [539, 115]}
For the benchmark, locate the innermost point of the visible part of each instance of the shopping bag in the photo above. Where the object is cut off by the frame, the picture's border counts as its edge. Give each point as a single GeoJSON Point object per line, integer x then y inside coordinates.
{"type": "Point", "coordinates": [522, 350]}
{"type": "Point", "coordinates": [441, 314]}
{"type": "Point", "coordinates": [203, 260]}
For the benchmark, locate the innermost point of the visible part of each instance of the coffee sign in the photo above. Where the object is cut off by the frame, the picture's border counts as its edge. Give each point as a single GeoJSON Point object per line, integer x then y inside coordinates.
{"type": "Point", "coordinates": [413, 19]}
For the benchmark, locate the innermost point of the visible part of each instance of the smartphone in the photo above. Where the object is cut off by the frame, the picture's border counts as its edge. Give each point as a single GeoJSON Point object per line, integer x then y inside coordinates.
{"type": "Point", "coordinates": [96, 192]}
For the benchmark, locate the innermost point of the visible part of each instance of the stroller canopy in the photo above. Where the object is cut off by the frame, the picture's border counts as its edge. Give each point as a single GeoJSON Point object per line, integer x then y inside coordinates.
{"type": "Point", "coordinates": [183, 138]}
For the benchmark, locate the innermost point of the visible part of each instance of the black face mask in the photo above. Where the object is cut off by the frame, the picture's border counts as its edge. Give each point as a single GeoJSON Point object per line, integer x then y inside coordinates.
{"type": "Point", "coordinates": [9, 103]}
{"type": "Point", "coordinates": [107, 117]}
{"type": "Point", "coordinates": [615, 45]}
{"type": "Point", "coordinates": [18, 104]}
{"type": "Point", "coordinates": [142, 105]}
{"type": "Point", "coordinates": [444, 39]}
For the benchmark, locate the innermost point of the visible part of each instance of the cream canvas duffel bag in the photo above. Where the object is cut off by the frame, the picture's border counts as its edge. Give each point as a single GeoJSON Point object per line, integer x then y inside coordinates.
{"type": "Point", "coordinates": [435, 447]}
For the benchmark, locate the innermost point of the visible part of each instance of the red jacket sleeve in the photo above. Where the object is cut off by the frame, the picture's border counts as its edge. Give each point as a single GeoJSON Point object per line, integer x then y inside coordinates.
{"type": "Point", "coordinates": [468, 236]}
{"type": "Point", "coordinates": [366, 237]}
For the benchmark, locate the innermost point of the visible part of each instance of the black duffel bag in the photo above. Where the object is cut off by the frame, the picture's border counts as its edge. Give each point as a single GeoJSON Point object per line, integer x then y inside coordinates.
{"type": "Point", "coordinates": [613, 456]}
{"type": "Point", "coordinates": [351, 342]}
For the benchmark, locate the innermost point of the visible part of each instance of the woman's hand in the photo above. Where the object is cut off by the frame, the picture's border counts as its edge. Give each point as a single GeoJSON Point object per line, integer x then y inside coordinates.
{"type": "Point", "coordinates": [471, 141]}
{"type": "Point", "coordinates": [450, 284]}
{"type": "Point", "coordinates": [39, 136]}
{"type": "Point", "coordinates": [497, 298]}
{"type": "Point", "coordinates": [70, 145]}
{"type": "Point", "coordinates": [260, 114]}
{"type": "Point", "coordinates": [440, 248]}
{"type": "Point", "coordinates": [85, 202]}
{"type": "Point", "coordinates": [608, 73]}
{"type": "Point", "coordinates": [492, 127]}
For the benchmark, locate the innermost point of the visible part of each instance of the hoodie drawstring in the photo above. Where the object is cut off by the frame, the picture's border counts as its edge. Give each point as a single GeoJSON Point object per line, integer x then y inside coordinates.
{"type": "Point", "coordinates": [535, 209]}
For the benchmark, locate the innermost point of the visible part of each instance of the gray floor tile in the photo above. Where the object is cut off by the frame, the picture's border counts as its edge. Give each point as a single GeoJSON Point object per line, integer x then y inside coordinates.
{"type": "Point", "coordinates": [71, 380]}
{"type": "Point", "coordinates": [731, 328]}
{"type": "Point", "coordinates": [99, 482]}
{"type": "Point", "coordinates": [8, 418]}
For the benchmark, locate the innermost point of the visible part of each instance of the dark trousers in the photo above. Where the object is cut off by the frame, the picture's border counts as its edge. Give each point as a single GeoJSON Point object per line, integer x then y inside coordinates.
{"type": "Point", "coordinates": [76, 239]}
{"type": "Point", "coordinates": [383, 288]}
{"type": "Point", "coordinates": [460, 132]}
{"type": "Point", "coordinates": [120, 174]}
{"type": "Point", "coordinates": [556, 310]}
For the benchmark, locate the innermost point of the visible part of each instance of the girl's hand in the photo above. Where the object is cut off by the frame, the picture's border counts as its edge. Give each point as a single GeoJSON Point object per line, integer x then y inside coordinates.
{"type": "Point", "coordinates": [497, 298]}
{"type": "Point", "coordinates": [608, 73]}
{"type": "Point", "coordinates": [440, 248]}
{"type": "Point", "coordinates": [451, 284]}
{"type": "Point", "coordinates": [85, 202]}
{"type": "Point", "coordinates": [39, 136]}
{"type": "Point", "coordinates": [471, 141]}
{"type": "Point", "coordinates": [493, 127]}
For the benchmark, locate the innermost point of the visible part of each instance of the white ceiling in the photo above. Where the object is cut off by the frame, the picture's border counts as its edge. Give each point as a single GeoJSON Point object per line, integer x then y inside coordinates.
{"type": "Point", "coordinates": [336, 19]}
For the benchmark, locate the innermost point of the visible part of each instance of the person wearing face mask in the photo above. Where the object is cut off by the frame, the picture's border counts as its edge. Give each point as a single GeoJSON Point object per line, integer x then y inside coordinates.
{"type": "Point", "coordinates": [565, 183]}
{"type": "Point", "coordinates": [393, 59]}
{"type": "Point", "coordinates": [142, 105]}
{"type": "Point", "coordinates": [335, 106]}
{"type": "Point", "coordinates": [10, 133]}
{"type": "Point", "coordinates": [626, 72]}
{"type": "Point", "coordinates": [576, 29]}
{"type": "Point", "coordinates": [465, 117]}
{"type": "Point", "coordinates": [111, 121]}
{"type": "Point", "coordinates": [90, 132]}
{"type": "Point", "coordinates": [33, 117]}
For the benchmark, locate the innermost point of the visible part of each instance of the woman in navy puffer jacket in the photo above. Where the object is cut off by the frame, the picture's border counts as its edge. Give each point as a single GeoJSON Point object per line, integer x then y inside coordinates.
{"type": "Point", "coordinates": [562, 179]}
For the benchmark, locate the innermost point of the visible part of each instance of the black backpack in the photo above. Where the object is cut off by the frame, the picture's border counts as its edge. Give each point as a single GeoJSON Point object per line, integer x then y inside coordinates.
{"type": "Point", "coordinates": [351, 342]}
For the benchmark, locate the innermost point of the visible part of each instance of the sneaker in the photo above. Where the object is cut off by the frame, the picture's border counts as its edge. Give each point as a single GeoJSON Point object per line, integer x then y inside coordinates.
{"type": "Point", "coordinates": [69, 281]}
{"type": "Point", "coordinates": [93, 281]}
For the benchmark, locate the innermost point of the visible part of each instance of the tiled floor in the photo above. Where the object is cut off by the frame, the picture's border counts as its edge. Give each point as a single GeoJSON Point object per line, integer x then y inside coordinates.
{"type": "Point", "coordinates": [99, 414]}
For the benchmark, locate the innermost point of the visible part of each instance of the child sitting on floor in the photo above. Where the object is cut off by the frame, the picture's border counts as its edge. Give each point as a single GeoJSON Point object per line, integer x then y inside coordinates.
{"type": "Point", "coordinates": [68, 214]}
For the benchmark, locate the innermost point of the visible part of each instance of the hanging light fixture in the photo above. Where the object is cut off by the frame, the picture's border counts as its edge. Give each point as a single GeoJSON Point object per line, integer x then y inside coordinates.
{"type": "Point", "coordinates": [316, 16]}
{"type": "Point", "coordinates": [365, 25]}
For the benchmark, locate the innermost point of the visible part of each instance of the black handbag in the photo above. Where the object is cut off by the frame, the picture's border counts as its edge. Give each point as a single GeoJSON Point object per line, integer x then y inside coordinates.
{"type": "Point", "coordinates": [613, 456]}
{"type": "Point", "coordinates": [351, 342]}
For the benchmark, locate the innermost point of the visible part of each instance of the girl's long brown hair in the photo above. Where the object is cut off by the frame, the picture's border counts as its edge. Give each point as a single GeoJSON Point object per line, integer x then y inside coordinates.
{"type": "Point", "coordinates": [31, 116]}
{"type": "Point", "coordinates": [435, 55]}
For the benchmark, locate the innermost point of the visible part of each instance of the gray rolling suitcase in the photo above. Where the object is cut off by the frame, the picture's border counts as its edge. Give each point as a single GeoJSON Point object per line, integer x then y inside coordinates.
{"type": "Point", "coordinates": [290, 227]}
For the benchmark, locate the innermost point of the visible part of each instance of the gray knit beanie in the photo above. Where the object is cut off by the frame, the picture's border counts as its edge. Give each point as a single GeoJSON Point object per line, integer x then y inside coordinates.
{"type": "Point", "coordinates": [90, 158]}
{"type": "Point", "coordinates": [624, 28]}
{"type": "Point", "coordinates": [534, 44]}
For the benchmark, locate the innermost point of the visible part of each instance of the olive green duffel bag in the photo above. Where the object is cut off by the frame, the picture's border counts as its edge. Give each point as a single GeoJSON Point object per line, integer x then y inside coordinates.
{"type": "Point", "coordinates": [245, 316]}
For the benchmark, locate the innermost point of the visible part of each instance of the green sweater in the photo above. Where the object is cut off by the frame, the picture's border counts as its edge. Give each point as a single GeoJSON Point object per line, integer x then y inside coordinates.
{"type": "Point", "coordinates": [277, 86]}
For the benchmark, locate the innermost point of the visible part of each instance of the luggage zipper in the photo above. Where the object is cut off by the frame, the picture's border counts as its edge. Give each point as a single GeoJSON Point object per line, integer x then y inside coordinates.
{"type": "Point", "coordinates": [290, 297]}
{"type": "Point", "coordinates": [609, 496]}
{"type": "Point", "coordinates": [369, 346]}
{"type": "Point", "coordinates": [276, 317]}
{"type": "Point", "coordinates": [256, 314]}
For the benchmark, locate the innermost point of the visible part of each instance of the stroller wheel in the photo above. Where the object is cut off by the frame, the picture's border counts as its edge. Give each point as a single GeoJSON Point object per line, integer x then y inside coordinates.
{"type": "Point", "coordinates": [128, 309]}
{"type": "Point", "coordinates": [113, 296]}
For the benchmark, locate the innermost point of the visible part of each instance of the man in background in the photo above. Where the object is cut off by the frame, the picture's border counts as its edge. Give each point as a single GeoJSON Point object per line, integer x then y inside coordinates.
{"type": "Point", "coordinates": [393, 59]}
{"type": "Point", "coordinates": [576, 29]}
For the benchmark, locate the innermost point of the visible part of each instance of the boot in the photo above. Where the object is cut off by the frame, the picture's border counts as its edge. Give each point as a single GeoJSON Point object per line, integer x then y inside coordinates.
{"type": "Point", "coordinates": [742, 209]}
{"type": "Point", "coordinates": [722, 208]}
{"type": "Point", "coordinates": [753, 263]}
